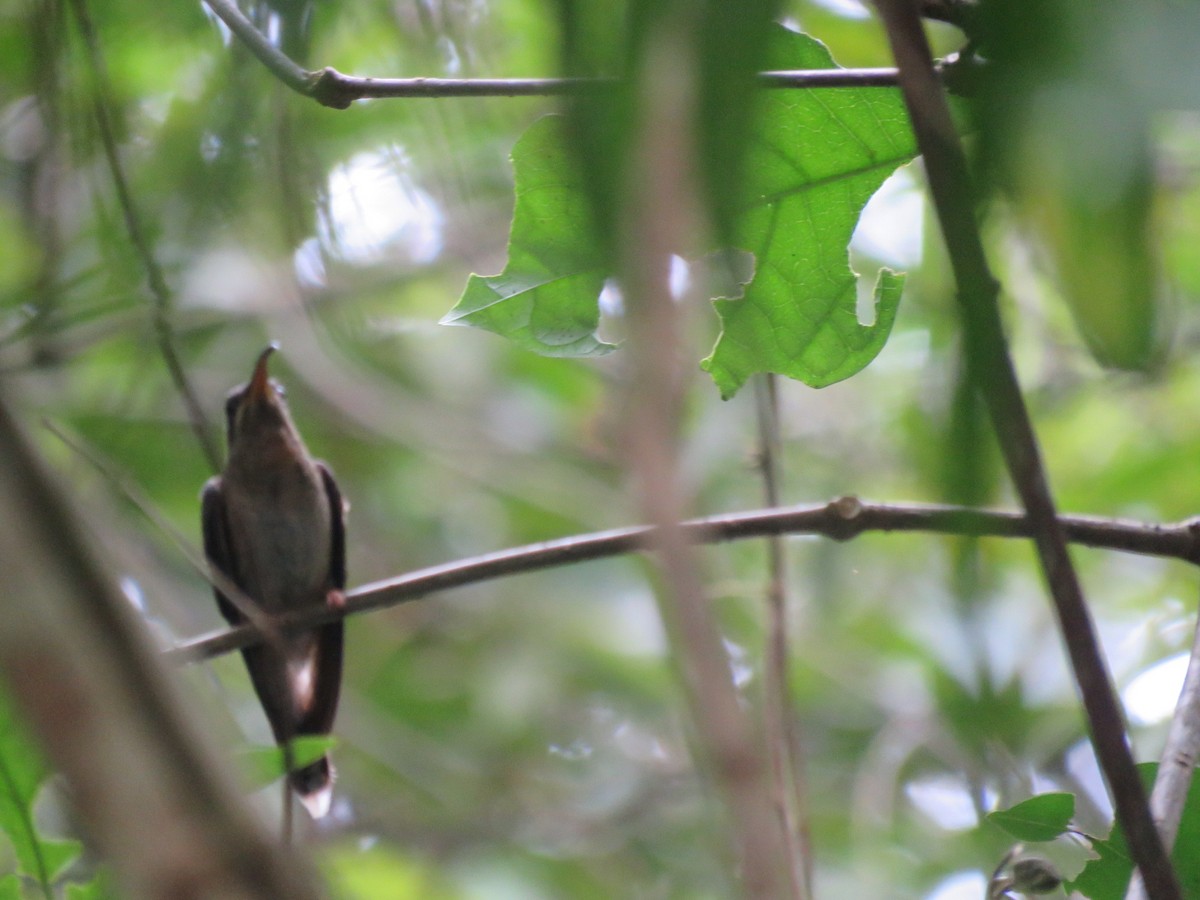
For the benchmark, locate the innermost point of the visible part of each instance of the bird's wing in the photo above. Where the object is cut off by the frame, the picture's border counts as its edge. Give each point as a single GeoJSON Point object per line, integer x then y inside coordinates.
{"type": "Point", "coordinates": [337, 520]}
{"type": "Point", "coordinates": [217, 545]}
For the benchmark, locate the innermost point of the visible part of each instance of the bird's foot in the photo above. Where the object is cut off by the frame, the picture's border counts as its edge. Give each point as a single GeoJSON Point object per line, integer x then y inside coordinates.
{"type": "Point", "coordinates": [335, 599]}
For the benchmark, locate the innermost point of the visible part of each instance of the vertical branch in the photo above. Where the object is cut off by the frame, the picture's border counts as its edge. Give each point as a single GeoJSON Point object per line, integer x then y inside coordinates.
{"type": "Point", "coordinates": [779, 714]}
{"type": "Point", "coordinates": [157, 282]}
{"type": "Point", "coordinates": [661, 217]}
{"type": "Point", "coordinates": [993, 374]}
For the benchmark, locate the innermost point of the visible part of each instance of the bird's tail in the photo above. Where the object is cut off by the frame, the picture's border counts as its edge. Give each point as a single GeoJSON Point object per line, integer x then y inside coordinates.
{"type": "Point", "coordinates": [317, 704]}
{"type": "Point", "coordinates": [313, 785]}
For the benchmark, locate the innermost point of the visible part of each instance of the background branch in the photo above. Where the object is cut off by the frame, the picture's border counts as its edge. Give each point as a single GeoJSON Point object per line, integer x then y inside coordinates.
{"type": "Point", "coordinates": [661, 214]}
{"type": "Point", "coordinates": [780, 714]}
{"type": "Point", "coordinates": [992, 372]}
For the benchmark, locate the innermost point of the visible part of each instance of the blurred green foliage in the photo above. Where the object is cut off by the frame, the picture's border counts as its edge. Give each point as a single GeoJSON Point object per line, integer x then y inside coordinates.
{"type": "Point", "coordinates": [526, 737]}
{"type": "Point", "coordinates": [40, 860]}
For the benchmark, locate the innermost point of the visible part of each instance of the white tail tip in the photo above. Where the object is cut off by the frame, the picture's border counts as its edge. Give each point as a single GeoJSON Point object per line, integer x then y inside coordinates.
{"type": "Point", "coordinates": [318, 802]}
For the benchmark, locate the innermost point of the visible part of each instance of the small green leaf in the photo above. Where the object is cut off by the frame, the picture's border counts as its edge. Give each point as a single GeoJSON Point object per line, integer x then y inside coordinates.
{"type": "Point", "coordinates": [1040, 818]}
{"type": "Point", "coordinates": [1107, 876]}
{"type": "Point", "coordinates": [10, 888]}
{"type": "Point", "coordinates": [261, 765]}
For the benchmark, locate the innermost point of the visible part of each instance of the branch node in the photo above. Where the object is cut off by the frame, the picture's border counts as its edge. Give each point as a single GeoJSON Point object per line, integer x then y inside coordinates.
{"type": "Point", "coordinates": [1192, 527]}
{"type": "Point", "coordinates": [844, 513]}
{"type": "Point", "coordinates": [328, 87]}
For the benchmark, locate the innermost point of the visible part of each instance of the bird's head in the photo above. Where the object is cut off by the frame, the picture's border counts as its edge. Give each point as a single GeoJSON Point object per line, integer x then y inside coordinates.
{"type": "Point", "coordinates": [257, 408]}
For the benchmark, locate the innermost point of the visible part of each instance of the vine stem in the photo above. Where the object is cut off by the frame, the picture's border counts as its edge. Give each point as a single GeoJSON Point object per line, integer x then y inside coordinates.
{"type": "Point", "coordinates": [992, 372]}
{"type": "Point", "coordinates": [780, 719]}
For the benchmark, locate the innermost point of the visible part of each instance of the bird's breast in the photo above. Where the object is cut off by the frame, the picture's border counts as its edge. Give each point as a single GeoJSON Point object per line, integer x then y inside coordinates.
{"type": "Point", "coordinates": [281, 533]}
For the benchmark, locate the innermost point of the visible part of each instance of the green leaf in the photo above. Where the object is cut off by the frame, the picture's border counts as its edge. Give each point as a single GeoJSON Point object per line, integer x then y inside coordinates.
{"type": "Point", "coordinates": [10, 888]}
{"type": "Point", "coordinates": [21, 775]}
{"type": "Point", "coordinates": [1107, 876]}
{"type": "Point", "coordinates": [814, 160]}
{"type": "Point", "coordinates": [1040, 818]}
{"type": "Point", "coordinates": [546, 299]}
{"type": "Point", "coordinates": [263, 764]}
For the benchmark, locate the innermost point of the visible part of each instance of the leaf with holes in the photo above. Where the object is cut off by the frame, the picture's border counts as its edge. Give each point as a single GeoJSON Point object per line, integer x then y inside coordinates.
{"type": "Point", "coordinates": [815, 157]}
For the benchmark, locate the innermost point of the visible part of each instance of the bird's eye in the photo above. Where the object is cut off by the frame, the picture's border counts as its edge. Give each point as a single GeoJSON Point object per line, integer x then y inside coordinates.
{"type": "Point", "coordinates": [279, 389]}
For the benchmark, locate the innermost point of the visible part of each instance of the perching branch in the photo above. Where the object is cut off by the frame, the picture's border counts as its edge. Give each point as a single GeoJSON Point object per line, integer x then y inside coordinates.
{"type": "Point", "coordinates": [992, 372]}
{"type": "Point", "coordinates": [842, 519]}
{"type": "Point", "coordinates": [157, 282]}
{"type": "Point", "coordinates": [331, 88]}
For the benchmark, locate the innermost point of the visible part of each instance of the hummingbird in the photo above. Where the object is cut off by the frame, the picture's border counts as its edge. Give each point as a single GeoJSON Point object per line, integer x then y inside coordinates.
{"type": "Point", "coordinates": [274, 527]}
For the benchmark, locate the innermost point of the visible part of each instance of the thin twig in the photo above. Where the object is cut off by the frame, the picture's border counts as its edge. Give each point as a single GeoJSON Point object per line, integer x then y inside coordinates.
{"type": "Point", "coordinates": [155, 280]}
{"type": "Point", "coordinates": [842, 519]}
{"type": "Point", "coordinates": [992, 371]}
{"type": "Point", "coordinates": [334, 89]}
{"type": "Point", "coordinates": [779, 713]}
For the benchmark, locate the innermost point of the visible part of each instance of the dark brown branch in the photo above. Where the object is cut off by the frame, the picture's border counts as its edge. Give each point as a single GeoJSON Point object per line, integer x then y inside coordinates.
{"type": "Point", "coordinates": [993, 374]}
{"type": "Point", "coordinates": [157, 282]}
{"type": "Point", "coordinates": [842, 520]}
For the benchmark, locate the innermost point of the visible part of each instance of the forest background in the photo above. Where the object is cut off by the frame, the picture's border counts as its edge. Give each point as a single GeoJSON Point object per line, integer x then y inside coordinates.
{"type": "Point", "coordinates": [531, 736]}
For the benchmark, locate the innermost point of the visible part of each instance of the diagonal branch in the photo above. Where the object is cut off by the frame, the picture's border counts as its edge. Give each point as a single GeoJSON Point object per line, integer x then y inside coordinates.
{"type": "Point", "coordinates": [842, 520]}
{"type": "Point", "coordinates": [993, 374]}
{"type": "Point", "coordinates": [142, 774]}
